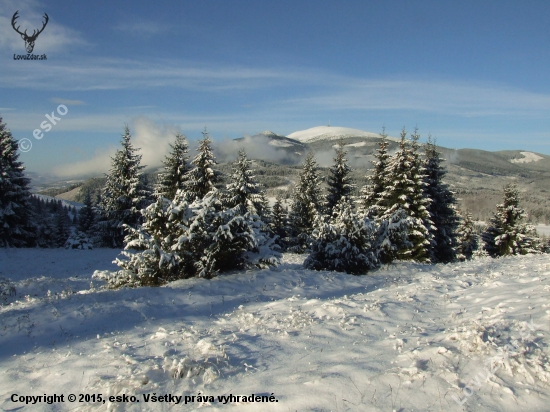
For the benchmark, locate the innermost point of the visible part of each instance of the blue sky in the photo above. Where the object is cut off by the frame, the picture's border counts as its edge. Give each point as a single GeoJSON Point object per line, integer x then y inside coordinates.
{"type": "Point", "coordinates": [472, 74]}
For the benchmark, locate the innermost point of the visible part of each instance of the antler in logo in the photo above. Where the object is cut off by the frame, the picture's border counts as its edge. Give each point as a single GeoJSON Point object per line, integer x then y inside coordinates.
{"type": "Point", "coordinates": [29, 40]}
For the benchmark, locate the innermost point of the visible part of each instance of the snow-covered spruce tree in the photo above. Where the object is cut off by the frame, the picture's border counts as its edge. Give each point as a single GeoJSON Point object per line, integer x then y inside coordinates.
{"type": "Point", "coordinates": [306, 202]}
{"type": "Point", "coordinates": [244, 192]}
{"type": "Point", "coordinates": [16, 226]}
{"type": "Point", "coordinates": [404, 189]}
{"type": "Point", "coordinates": [80, 238]}
{"type": "Point", "coordinates": [393, 236]}
{"type": "Point", "coordinates": [176, 167]}
{"type": "Point", "coordinates": [202, 178]}
{"type": "Point", "coordinates": [62, 225]}
{"type": "Point", "coordinates": [279, 223]}
{"type": "Point", "coordinates": [345, 242]}
{"type": "Point", "coordinates": [220, 239]}
{"type": "Point", "coordinates": [148, 258]}
{"type": "Point", "coordinates": [468, 239]}
{"type": "Point", "coordinates": [442, 207]}
{"type": "Point", "coordinates": [507, 234]}
{"type": "Point", "coordinates": [339, 180]}
{"type": "Point", "coordinates": [86, 215]}
{"type": "Point", "coordinates": [45, 232]}
{"type": "Point", "coordinates": [124, 195]}
{"type": "Point", "coordinates": [371, 192]}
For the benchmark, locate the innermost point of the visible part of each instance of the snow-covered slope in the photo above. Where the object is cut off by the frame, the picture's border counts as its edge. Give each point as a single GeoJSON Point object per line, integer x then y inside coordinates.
{"type": "Point", "coordinates": [328, 133]}
{"type": "Point", "coordinates": [467, 336]}
{"type": "Point", "coordinates": [528, 157]}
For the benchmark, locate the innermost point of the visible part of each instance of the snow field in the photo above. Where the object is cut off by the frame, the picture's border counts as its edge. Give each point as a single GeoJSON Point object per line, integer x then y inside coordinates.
{"type": "Point", "coordinates": [328, 133]}
{"type": "Point", "coordinates": [406, 337]}
{"type": "Point", "coordinates": [528, 157]}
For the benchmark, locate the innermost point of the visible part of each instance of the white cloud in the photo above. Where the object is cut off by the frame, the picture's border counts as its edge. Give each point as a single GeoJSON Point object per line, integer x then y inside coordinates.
{"type": "Point", "coordinates": [67, 102]}
{"type": "Point", "coordinates": [152, 139]}
{"type": "Point", "coordinates": [98, 164]}
{"type": "Point", "coordinates": [114, 74]}
{"type": "Point", "coordinates": [466, 99]}
{"type": "Point", "coordinates": [324, 92]}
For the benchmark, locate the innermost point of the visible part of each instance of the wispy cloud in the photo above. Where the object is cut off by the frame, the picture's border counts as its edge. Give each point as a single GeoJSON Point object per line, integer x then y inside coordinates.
{"type": "Point", "coordinates": [321, 91]}
{"type": "Point", "coordinates": [466, 99]}
{"type": "Point", "coordinates": [67, 102]}
{"type": "Point", "coordinates": [25, 121]}
{"type": "Point", "coordinates": [144, 28]}
{"type": "Point", "coordinates": [117, 74]}
{"type": "Point", "coordinates": [151, 138]}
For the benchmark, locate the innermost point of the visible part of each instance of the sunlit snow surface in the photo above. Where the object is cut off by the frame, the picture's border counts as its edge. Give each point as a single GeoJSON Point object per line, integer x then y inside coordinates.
{"type": "Point", "coordinates": [406, 337]}
{"type": "Point", "coordinates": [528, 157]}
{"type": "Point", "coordinates": [328, 133]}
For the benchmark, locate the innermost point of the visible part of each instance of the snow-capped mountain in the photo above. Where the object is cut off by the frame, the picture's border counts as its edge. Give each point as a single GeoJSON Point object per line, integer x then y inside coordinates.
{"type": "Point", "coordinates": [318, 133]}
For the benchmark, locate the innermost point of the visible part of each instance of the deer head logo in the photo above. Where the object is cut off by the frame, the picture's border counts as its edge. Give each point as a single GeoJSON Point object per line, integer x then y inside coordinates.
{"type": "Point", "coordinates": [29, 40]}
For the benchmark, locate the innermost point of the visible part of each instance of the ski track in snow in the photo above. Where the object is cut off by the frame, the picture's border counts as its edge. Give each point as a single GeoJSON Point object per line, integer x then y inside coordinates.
{"type": "Point", "coordinates": [405, 337]}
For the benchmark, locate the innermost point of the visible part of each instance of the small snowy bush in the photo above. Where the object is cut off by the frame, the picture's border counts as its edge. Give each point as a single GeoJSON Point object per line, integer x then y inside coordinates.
{"type": "Point", "coordinates": [345, 243]}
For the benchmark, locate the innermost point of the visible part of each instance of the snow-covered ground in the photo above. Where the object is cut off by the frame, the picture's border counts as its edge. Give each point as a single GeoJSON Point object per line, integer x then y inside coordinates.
{"type": "Point", "coordinates": [328, 133]}
{"type": "Point", "coordinates": [543, 229]}
{"type": "Point", "coordinates": [467, 336]}
{"type": "Point", "coordinates": [528, 157]}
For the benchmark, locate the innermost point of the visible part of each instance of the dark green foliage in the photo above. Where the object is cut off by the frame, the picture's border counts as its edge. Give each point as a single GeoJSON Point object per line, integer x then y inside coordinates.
{"type": "Point", "coordinates": [394, 236]}
{"type": "Point", "coordinates": [468, 239]}
{"type": "Point", "coordinates": [345, 243]}
{"type": "Point", "coordinates": [150, 260]}
{"type": "Point", "coordinates": [16, 226]}
{"type": "Point", "coordinates": [442, 208]}
{"type": "Point", "coordinates": [404, 188]}
{"type": "Point", "coordinates": [339, 180]}
{"type": "Point", "coordinates": [244, 192]}
{"type": "Point", "coordinates": [306, 203]}
{"type": "Point", "coordinates": [279, 223]}
{"type": "Point", "coordinates": [124, 195]}
{"type": "Point", "coordinates": [507, 234]}
{"type": "Point", "coordinates": [176, 168]}
{"type": "Point", "coordinates": [86, 214]}
{"type": "Point", "coordinates": [372, 191]}
{"type": "Point", "coordinates": [202, 178]}
{"type": "Point", "coordinates": [179, 240]}
{"type": "Point", "coordinates": [62, 227]}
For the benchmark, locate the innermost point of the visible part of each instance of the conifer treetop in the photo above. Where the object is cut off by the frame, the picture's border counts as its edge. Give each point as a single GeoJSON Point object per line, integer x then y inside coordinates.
{"type": "Point", "coordinates": [125, 192]}
{"type": "Point", "coordinates": [244, 191]}
{"type": "Point", "coordinates": [176, 168]}
{"type": "Point", "coordinates": [203, 177]}
{"type": "Point", "coordinates": [371, 192]}
{"type": "Point", "coordinates": [339, 181]}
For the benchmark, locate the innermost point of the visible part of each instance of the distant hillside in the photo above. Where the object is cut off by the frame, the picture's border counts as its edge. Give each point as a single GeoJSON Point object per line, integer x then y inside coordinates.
{"type": "Point", "coordinates": [477, 176]}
